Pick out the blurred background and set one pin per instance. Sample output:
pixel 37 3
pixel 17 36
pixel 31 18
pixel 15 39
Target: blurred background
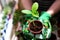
pixel 14 15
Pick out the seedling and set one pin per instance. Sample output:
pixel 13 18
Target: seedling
pixel 34 11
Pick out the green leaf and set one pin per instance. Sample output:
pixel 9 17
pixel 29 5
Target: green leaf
pixel 35 14
pixel 26 11
pixel 35 7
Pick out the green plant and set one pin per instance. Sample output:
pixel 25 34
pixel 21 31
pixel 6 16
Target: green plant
pixel 34 11
pixel 32 15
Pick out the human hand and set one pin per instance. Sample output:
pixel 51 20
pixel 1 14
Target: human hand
pixel 44 18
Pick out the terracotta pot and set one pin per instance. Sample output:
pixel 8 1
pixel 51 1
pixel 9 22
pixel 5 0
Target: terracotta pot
pixel 35 27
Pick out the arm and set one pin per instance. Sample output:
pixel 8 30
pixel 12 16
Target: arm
pixel 27 4
pixel 54 8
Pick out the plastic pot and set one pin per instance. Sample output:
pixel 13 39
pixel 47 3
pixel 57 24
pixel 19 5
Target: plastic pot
pixel 35 27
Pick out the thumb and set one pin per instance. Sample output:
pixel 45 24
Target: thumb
pixel 45 23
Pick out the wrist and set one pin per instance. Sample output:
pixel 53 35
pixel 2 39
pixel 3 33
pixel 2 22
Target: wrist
pixel 50 12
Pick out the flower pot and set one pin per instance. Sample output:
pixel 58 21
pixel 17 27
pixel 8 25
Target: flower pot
pixel 35 27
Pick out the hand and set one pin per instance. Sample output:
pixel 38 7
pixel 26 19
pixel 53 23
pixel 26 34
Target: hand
pixel 44 18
